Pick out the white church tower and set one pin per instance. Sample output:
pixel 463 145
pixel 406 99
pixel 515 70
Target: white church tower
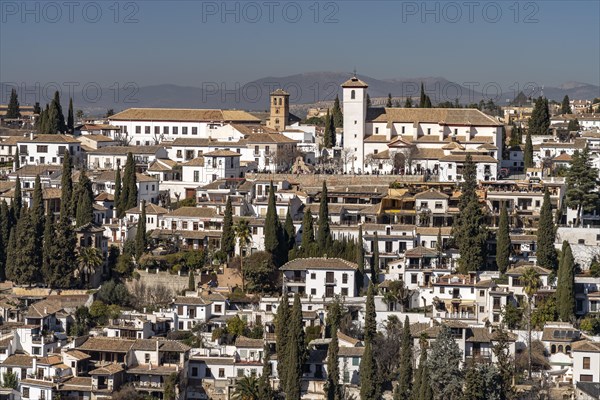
pixel 355 117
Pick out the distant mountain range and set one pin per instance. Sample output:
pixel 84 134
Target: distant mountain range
pixel 304 89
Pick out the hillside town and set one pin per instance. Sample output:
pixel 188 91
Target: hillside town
pixel 411 251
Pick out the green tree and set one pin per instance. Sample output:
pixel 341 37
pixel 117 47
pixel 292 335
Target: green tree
pixel 338 117
pixel 118 204
pixel 242 232
pixel 403 390
pixel 360 258
pixel 546 233
pixel 324 232
pixel 531 284
pixel 565 107
pixel 228 237
pixel 281 335
pixel 70 117
pixel 469 228
pixel 389 104
pixel 66 181
pixel 375 260
pixel 327 142
pixel 333 368
pixel 504 363
pixel 84 201
pixel 539 122
pixel 369 382
pixel 565 287
pixel 55 118
pixel 482 382
pixel 17 202
pixel 503 244
pixel 140 234
pixel 21 267
pixel 423 97
pixel 443 364
pixel 272 224
pixel 582 185
pixel 129 192
pixel 10 380
pixel 38 221
pixel 290 231
pixel 247 388
pixel 265 390
pixel 573 125
pixel 295 352
pixel 308 231
pixel 13 110
pixel 421 385
pixel 370 329
pixel 368 101
pixel 89 259
pixel 528 152
pixel 408 103
pixel 191 280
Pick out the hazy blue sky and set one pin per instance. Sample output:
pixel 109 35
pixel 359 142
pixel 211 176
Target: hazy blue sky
pixel 187 42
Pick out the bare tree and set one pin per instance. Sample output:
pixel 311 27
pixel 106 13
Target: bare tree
pixel 347 158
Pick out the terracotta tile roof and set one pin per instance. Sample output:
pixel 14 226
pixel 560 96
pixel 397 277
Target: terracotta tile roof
pixel 350 351
pixel 252 129
pixel 34 170
pixel 162 165
pixel 18 360
pixel 301 264
pixel 442 116
pixel 177 114
pixel 432 194
pixel 201 142
pixel 146 369
pixel 196 212
pixel 196 162
pixel 124 150
pixel 222 153
pixel 49 139
pixel 428 154
pixel 354 82
pixel 109 369
pixel 421 251
pixel 431 231
pixel 346 338
pixel 107 344
pixel 78 355
pixel 99 138
pixel 244 342
pixel 109 176
pixel 586 346
pixel 518 271
pixel 563 157
pixel 76 383
pixel 376 139
pixel 560 334
pixel 163 345
pixel 37 382
pixel 105 197
pixel 191 300
pixel 150 209
pixel 259 138
pixel 462 157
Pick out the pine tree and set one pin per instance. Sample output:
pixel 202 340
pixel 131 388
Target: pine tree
pixel 403 390
pixel 118 204
pixel 565 288
pixel 375 260
pixel 369 382
pixel 469 230
pixel 324 239
pixel 370 315
pixel 338 117
pixel 503 244
pixel 389 104
pixel 66 180
pixel 13 110
pixel 333 368
pixel 71 117
pixel 565 107
pixel 546 233
pixel 582 185
pixel 308 231
pixel 228 237
pixel 295 352
pixel 17 202
pixel 290 231
pixel 140 235
pixel 281 334
pixel 528 152
pixel 444 366
pixel 84 200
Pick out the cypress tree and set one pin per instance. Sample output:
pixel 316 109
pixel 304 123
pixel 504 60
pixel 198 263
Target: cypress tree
pixel 3 245
pixel 140 235
pixel 428 102
pixel 565 288
pixel 17 159
pixel 70 117
pixel 281 334
pixel 421 386
pixel 61 256
pixel 546 233
pixel 368 101
pixel 403 390
pixel 389 104
pixel 22 269
pixel 9 266
pixel 56 121
pixel 264 384
pixel 272 225
pixel 228 237
pixel 295 352
pixel 565 107
pixel 308 231
pixel 368 374
pixel 375 260
pixel 324 232
pixel 131 200
pixel 66 186
pixel 290 231
pixel 6 221
pixel 17 199
pixel 503 244
pixel 528 152
pixel 408 103
pixel 13 110
pixel 191 280
pixel 540 117
pixel 327 135
pixel 117 196
pixel 47 248
pixel 333 368
pixel 84 201
pixel 360 259
pixel 38 220
pixel 338 117
pixel 422 97
pixel 469 230
pixel 332 133
pixel 45 120
pixel 370 315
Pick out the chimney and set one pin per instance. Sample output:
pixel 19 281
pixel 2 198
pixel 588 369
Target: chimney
pixel 31 136
pixel 34 364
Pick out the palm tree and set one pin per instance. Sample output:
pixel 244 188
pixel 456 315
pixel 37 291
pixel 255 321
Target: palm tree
pixel 531 283
pixel 247 388
pixel 244 236
pixel 89 260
